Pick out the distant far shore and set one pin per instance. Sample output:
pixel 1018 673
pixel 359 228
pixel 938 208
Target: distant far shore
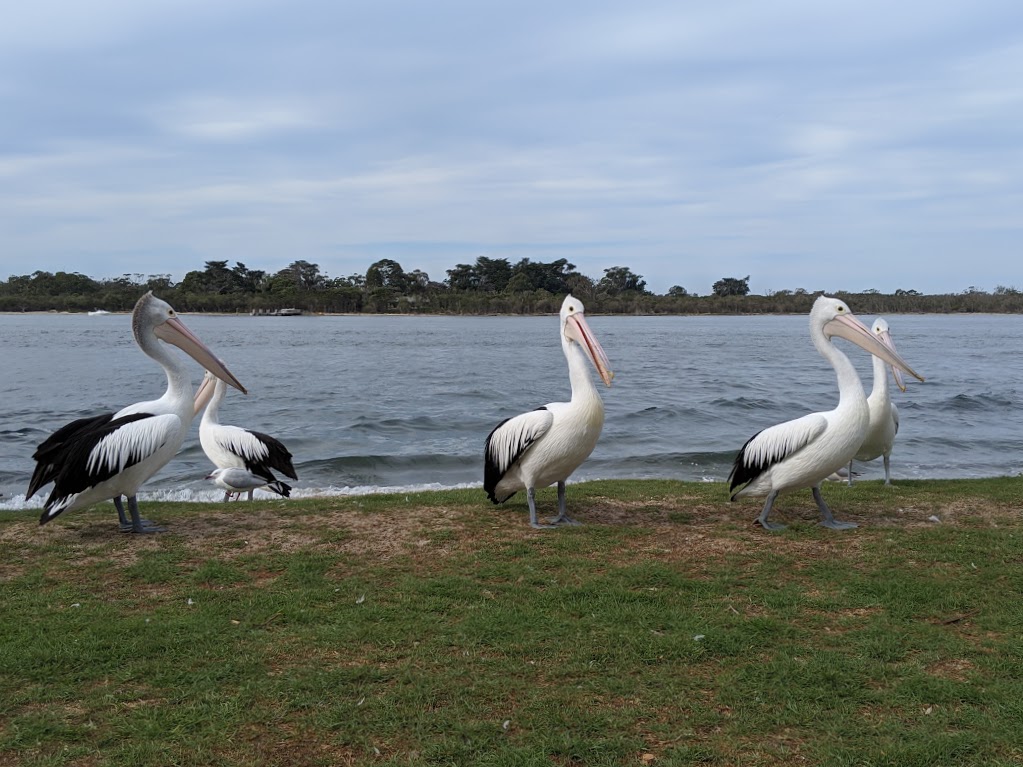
pixel 592 313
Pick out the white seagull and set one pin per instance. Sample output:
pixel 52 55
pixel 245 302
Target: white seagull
pixel 804 452
pixel 546 445
pixel 235 480
pixel 231 447
pixel 884 416
pixel 110 455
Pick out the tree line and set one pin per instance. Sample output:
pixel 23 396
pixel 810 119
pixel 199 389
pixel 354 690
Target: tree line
pixel 488 286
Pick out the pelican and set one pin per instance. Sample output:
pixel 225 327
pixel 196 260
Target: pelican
pixel 231 447
pixel 110 455
pixel 546 445
pixel 884 416
pixel 235 480
pixel 803 452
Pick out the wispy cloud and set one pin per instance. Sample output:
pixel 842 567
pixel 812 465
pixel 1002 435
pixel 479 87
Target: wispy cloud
pixel 229 119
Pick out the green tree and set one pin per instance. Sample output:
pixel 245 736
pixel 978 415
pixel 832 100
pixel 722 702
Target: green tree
pixel 492 274
pixel 417 281
pixel 462 277
pixel 306 276
pixel 215 278
pixel 386 273
pixel 520 283
pixel 581 286
pixel 552 277
pixel 731 286
pixel 621 279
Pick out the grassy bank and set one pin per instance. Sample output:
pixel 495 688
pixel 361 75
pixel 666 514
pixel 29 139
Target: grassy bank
pixel 437 629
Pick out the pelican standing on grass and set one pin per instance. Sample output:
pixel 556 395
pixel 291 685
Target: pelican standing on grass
pixel 546 445
pixel 803 452
pixel 110 455
pixel 884 416
pixel 250 453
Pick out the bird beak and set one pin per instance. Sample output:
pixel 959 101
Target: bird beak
pixel 577 330
pixel 173 331
pixel 204 393
pixel 851 329
pixel 886 339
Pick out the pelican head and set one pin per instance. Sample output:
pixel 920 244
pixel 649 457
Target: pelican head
pixel 880 329
pixel 204 393
pixel 575 330
pixel 152 315
pixel 832 317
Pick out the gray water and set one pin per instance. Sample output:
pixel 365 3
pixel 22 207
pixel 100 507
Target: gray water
pixel 367 403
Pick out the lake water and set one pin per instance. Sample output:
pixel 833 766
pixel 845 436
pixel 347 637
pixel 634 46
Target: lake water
pixel 367 403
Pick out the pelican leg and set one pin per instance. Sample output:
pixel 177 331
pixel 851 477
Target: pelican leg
pixel 850 473
pixel 121 518
pixel 887 472
pixel 136 521
pixel 138 525
pixel 762 519
pixel 563 518
pixel 827 519
pixel 531 500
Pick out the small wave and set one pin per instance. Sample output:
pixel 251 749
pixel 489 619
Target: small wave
pixel 384 462
pixel 744 403
pixel 396 425
pixel 985 401
pixel 664 413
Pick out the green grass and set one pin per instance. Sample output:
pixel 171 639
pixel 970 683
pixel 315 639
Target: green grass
pixel 436 629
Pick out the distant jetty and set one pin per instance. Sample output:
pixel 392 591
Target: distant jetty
pixel 292 312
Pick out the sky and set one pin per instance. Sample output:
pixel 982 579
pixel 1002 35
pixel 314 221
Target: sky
pixel 820 145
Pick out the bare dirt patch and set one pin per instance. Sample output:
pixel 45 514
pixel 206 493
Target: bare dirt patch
pixel 956 669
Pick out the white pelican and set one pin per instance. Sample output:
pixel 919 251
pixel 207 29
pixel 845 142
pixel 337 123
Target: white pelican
pixel 884 416
pixel 110 455
pixel 236 480
pixel 231 447
pixel 803 452
pixel 545 446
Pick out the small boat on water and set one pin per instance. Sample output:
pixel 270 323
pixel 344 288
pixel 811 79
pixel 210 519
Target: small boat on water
pixel 98 313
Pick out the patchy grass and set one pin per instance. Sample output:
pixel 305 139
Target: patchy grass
pixel 434 628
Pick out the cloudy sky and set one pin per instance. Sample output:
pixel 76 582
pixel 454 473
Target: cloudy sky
pixel 825 145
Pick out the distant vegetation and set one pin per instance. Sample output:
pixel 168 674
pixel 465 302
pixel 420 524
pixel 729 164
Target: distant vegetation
pixel 490 286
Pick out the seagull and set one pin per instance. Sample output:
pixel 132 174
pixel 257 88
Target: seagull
pixel 804 452
pixel 546 445
pixel 235 480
